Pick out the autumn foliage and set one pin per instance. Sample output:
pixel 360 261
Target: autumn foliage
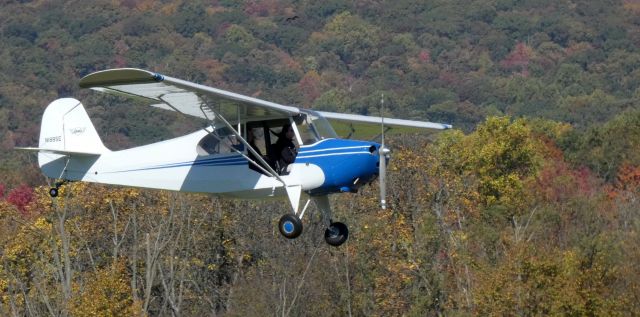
pixel 519 59
pixel 20 197
pixel 494 222
pixel 529 207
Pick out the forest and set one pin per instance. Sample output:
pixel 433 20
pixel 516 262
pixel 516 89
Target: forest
pixel 529 206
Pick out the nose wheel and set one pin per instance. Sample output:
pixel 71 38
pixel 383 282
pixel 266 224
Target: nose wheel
pixel 336 234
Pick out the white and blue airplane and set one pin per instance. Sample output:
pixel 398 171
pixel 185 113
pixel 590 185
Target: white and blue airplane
pixel 233 156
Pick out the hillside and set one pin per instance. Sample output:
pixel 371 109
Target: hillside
pixel 448 61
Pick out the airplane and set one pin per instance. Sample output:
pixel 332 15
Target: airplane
pixel 236 155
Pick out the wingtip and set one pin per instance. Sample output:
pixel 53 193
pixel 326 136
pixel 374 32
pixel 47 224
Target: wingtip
pixel 118 76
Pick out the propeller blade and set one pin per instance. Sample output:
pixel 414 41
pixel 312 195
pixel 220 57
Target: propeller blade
pixel 383 161
pixel 383 177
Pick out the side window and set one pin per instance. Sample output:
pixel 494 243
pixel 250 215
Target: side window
pixel 221 141
pixel 255 137
pixel 275 134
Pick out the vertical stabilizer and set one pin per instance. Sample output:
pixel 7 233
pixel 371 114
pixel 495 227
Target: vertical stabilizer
pixel 66 127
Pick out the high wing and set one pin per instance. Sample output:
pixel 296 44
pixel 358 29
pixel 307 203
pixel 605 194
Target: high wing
pixel 184 96
pixel 387 121
pixel 195 100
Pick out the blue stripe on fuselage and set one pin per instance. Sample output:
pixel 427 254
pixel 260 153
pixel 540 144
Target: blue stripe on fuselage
pixel 216 161
pixel 342 161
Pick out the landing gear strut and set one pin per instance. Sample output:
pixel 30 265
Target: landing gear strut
pixel 336 233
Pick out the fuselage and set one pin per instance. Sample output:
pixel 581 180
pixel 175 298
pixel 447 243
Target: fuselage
pixel 327 166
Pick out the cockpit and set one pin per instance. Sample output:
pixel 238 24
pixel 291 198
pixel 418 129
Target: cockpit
pixel 262 136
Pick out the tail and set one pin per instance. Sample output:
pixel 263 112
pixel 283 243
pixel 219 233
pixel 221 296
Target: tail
pixel 67 130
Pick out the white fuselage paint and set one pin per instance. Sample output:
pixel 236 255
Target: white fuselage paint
pixel 175 165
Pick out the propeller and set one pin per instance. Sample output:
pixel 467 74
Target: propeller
pixel 383 151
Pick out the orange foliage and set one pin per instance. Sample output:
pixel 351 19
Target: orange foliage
pixel 629 176
pixel 627 180
pixel 519 58
pixel 145 5
pixel 310 85
pixel 170 8
pixel 632 6
pixel 288 61
pixel 557 182
pixel 213 68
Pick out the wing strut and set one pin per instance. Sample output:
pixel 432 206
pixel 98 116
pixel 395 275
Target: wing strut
pixel 293 191
pixel 265 166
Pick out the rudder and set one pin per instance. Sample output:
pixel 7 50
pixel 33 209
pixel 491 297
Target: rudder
pixel 66 127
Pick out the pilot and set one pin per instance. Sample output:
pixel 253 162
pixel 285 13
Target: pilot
pixel 285 149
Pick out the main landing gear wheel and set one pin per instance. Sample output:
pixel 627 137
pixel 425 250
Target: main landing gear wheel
pixel 336 234
pixel 290 226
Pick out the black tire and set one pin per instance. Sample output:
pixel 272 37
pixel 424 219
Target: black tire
pixel 290 226
pixel 336 234
pixel 53 192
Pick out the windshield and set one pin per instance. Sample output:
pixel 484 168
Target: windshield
pixel 315 128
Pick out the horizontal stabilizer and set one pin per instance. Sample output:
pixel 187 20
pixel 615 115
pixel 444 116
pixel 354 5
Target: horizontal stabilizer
pixel 59 152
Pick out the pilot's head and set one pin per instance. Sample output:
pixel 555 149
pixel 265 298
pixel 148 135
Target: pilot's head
pixel 287 131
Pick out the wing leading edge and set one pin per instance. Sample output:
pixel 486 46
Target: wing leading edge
pixel 387 121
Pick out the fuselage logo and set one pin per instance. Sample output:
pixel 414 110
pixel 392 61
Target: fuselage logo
pixel 76 131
